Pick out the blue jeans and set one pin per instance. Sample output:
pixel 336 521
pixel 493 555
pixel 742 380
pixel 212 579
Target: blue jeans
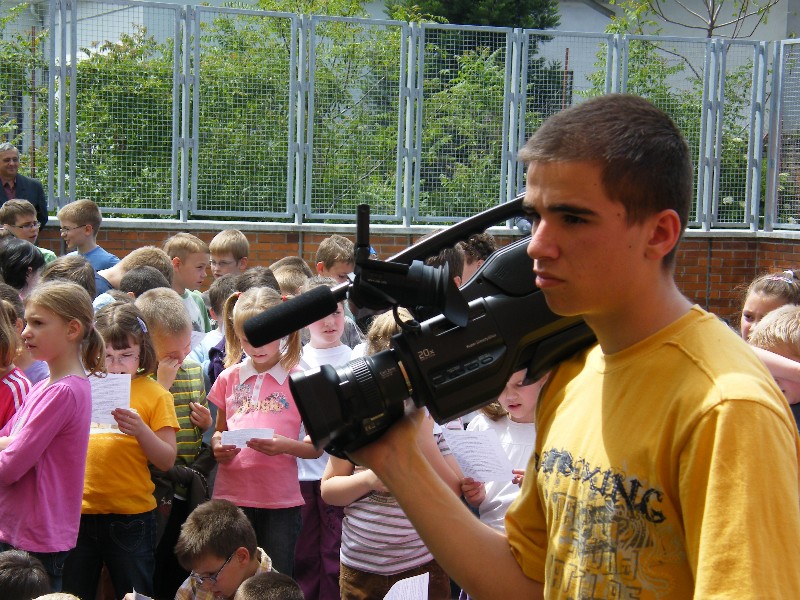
pixel 124 543
pixel 276 532
pixel 53 563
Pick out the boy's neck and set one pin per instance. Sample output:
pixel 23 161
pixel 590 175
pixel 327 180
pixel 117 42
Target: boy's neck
pixel 86 247
pixel 181 289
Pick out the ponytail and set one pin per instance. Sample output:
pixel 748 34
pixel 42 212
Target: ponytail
pixel 93 352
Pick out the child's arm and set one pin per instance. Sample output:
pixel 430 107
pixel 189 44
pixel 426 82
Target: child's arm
pixel 159 446
pixel 4 442
pixel 340 486
pixel 283 445
pixel 222 453
pixel 779 366
pixel 446 467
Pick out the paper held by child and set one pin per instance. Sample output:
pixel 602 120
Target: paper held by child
pixel 479 454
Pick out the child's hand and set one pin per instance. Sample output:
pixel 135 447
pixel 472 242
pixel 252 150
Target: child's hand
pixel 200 416
pixel 129 421
pixel 474 491
pixel 519 475
pixel 375 483
pixel 167 371
pixel 278 444
pixel 224 453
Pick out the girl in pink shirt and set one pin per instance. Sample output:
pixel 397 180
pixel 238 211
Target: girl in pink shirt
pixel 262 477
pixel 43 446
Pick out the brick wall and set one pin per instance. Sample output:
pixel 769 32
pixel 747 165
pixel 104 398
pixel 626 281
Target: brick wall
pixel 711 269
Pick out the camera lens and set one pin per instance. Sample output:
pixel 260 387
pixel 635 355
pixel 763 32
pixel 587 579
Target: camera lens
pixel 353 404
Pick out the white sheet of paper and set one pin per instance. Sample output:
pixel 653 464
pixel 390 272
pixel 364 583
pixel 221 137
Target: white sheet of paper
pixel 480 454
pixel 411 588
pixel 239 437
pixel 138 596
pixel 197 337
pixel 109 392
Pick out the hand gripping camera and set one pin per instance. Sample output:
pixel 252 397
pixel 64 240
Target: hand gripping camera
pixel 455 360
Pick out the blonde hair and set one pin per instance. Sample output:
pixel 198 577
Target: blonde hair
pixel 82 212
pixel 72 303
pixel 336 248
pixel 779 328
pixel 183 244
pixel 148 256
pixel 241 307
pixel 164 312
pixel 230 241
pixel 383 327
pixel 9 339
pixel 120 324
pixel 290 280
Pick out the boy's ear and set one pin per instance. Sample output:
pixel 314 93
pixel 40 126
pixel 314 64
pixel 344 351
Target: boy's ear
pixel 320 268
pixel 243 264
pixel 176 262
pixel 664 234
pixel 242 556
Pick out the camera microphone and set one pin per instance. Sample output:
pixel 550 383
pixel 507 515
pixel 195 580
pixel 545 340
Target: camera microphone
pixel 287 317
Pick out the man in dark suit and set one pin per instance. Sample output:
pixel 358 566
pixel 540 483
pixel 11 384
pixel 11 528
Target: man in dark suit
pixel 15 185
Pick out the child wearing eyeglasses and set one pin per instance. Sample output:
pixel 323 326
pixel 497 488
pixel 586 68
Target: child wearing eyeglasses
pixel 80 222
pixel 19 217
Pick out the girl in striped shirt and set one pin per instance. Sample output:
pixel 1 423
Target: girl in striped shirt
pixel 379 544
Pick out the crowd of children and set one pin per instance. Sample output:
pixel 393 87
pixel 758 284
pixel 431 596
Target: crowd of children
pixel 169 499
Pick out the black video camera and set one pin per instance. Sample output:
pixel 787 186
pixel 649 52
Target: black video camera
pixel 452 363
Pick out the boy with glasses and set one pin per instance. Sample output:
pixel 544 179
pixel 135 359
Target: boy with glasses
pixel 80 222
pixel 218 545
pixel 19 217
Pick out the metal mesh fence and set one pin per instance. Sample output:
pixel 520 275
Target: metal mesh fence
pixel 465 87
pixel 357 68
pixel 738 140
pixel 232 113
pixel 24 42
pixel 126 110
pixel 788 176
pixel 244 113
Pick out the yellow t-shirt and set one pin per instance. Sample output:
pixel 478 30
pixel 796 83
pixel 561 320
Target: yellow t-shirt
pixel 117 478
pixel 668 470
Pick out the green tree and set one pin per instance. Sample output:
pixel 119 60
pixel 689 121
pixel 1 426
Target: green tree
pixel 528 14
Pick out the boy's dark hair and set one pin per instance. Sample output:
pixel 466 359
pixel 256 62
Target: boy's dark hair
pixel 11 209
pixel 148 256
pixel 215 528
pixel 22 576
pixel 257 277
pixel 72 267
pixel 294 262
pixel 16 256
pixel 218 292
pixel 453 257
pixel 478 246
pixel 141 279
pixel 269 586
pixel 645 160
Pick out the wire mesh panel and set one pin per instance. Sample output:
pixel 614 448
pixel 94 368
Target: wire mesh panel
pixel 24 40
pixel 465 78
pixel 355 123
pixel 560 69
pixel 739 143
pixel 125 105
pixel 244 112
pixel 787 191
pixel 671 73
